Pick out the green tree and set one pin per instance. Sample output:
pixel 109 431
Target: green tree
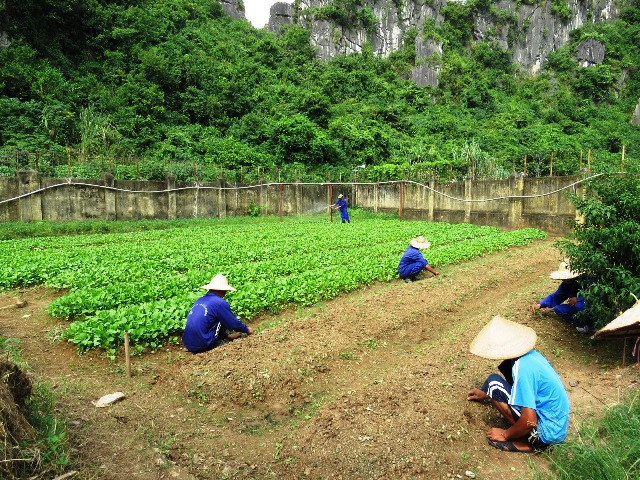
pixel 605 245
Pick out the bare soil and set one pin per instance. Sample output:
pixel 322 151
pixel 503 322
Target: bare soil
pixel 371 385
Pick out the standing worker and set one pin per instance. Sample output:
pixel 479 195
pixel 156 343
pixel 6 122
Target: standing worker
pixel 341 204
pixel 413 262
pixel 211 319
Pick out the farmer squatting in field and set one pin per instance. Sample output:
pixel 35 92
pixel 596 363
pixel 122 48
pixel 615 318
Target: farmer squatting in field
pixel 566 301
pixel 413 262
pixel 530 396
pixel 211 319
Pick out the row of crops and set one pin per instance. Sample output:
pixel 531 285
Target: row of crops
pixel 145 282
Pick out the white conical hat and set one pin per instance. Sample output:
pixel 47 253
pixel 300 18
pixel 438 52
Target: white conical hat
pixel 219 283
pixel 501 339
pixel 563 273
pixel 419 243
pixel 626 324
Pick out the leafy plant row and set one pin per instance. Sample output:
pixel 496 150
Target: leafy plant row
pixel 151 323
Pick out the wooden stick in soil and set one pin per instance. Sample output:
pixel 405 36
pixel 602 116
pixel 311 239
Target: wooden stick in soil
pixel 127 353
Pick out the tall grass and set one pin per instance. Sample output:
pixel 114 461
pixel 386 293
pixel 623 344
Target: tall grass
pixel 47 454
pixel 605 448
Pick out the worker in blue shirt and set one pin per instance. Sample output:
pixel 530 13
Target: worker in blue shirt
pixel 341 204
pixel 529 394
pixel 413 262
pixel 210 320
pixel 566 300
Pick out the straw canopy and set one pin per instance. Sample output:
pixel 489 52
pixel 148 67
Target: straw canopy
pixel 626 324
pixel 502 339
pixel 563 273
pixel 219 283
pixel 419 243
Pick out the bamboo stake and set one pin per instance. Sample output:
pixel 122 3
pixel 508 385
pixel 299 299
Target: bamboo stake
pixel 551 166
pixel 589 160
pixel 622 160
pixel 525 166
pixel 580 159
pixel 127 354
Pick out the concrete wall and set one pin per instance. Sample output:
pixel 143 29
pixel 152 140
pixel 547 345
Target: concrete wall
pixel 517 202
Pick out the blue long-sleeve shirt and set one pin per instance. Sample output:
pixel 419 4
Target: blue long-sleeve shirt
pixel 565 291
pixel 209 318
pixel 411 263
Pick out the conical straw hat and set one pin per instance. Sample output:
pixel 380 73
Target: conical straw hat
pixel 626 324
pixel 501 339
pixel 219 283
pixel 563 273
pixel 419 243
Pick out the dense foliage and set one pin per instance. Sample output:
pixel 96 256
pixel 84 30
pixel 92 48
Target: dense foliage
pixel 272 264
pixel 606 245
pixel 147 87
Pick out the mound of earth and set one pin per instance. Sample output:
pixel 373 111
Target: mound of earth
pixel 370 385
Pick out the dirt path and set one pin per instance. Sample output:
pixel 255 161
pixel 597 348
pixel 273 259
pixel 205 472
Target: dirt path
pixel 371 385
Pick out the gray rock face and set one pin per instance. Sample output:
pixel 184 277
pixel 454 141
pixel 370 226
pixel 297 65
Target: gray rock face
pixel 5 41
pixel 636 115
pixel 233 8
pixel 589 53
pixel 531 32
pixel 280 14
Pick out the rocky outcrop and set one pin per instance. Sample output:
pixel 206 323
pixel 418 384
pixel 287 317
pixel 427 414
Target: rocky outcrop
pixel 636 115
pixel 527 32
pixel 233 8
pixel 589 53
pixel 280 14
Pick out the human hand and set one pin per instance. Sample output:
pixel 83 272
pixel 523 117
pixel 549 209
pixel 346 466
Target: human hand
pixel 497 434
pixel 249 330
pixel 535 307
pixel 572 301
pixel 476 395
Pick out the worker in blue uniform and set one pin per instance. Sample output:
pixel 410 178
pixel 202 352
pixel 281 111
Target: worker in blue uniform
pixel 211 321
pixel 341 204
pixel 566 301
pixel 413 262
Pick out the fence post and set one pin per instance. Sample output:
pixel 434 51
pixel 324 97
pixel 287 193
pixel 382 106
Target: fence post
pixel 432 198
pixel 109 197
pixel 516 184
pixel 622 160
pixel 551 166
pixel 30 207
pixel 171 197
pixel 468 184
pixel 400 207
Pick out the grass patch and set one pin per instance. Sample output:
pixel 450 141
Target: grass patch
pixel 47 454
pixel 608 447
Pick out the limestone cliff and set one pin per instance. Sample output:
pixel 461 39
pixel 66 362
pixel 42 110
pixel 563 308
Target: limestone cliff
pixel 527 32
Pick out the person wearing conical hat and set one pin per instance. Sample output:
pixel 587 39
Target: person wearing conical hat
pixel 413 262
pixel 566 301
pixel 529 394
pixel 341 204
pixel 211 320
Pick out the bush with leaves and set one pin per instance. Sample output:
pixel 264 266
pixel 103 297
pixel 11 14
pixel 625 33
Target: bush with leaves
pixel 605 245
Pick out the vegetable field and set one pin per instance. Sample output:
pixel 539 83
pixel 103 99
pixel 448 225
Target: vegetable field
pixel 145 282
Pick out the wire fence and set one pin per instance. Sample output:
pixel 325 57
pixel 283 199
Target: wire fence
pixel 72 164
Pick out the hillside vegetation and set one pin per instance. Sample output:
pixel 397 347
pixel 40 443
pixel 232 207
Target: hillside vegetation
pixel 144 88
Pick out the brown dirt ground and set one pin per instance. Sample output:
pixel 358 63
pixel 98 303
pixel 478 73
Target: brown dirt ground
pixel 371 385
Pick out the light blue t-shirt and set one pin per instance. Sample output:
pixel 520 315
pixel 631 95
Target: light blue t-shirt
pixel 536 385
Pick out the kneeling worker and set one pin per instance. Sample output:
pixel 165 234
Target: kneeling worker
pixel 413 262
pixel 530 396
pixel 210 319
